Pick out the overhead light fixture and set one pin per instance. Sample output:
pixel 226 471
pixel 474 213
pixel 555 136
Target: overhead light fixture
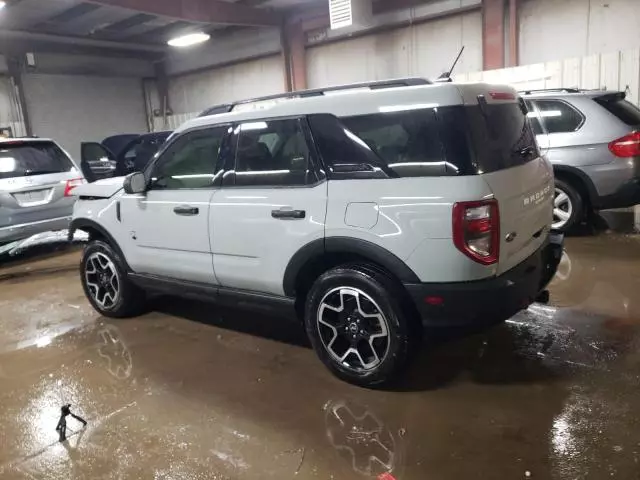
pixel 2 5
pixel 189 40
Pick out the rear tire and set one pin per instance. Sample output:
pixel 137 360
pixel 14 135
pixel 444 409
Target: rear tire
pixel 568 207
pixel 359 326
pixel 106 285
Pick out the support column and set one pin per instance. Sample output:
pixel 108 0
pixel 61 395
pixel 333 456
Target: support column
pixel 514 44
pixel 493 34
pixel 294 55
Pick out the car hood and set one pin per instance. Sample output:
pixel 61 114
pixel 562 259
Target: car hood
pixel 104 188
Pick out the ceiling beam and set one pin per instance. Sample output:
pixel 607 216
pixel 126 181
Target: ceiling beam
pixel 205 11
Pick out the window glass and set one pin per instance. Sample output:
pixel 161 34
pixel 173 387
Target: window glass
pixel 190 161
pixel 559 117
pixel 534 119
pixel 407 142
pixel 273 153
pixel 618 106
pixel 27 158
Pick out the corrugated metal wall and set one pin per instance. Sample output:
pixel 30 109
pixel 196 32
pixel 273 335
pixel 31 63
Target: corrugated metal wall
pixel 75 108
pixel 425 49
pixel 191 94
pixel 555 29
pixel 615 71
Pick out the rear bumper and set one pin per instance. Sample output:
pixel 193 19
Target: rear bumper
pixel 627 195
pixel 25 230
pixel 492 300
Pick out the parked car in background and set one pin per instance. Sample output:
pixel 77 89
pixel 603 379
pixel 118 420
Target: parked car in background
pixel 368 214
pixel 36 180
pixel 120 155
pixel 592 138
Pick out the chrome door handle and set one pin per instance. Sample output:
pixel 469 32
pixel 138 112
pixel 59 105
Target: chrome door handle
pixel 288 214
pixel 186 210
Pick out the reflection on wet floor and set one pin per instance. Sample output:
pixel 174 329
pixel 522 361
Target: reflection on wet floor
pixel 193 391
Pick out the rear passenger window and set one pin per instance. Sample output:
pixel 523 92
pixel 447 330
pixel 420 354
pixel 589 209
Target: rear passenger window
pixel 558 116
pixel 273 153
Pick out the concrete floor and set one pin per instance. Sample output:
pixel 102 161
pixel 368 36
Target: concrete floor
pixel 192 391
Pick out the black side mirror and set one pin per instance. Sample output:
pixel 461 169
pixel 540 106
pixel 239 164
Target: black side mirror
pixel 135 183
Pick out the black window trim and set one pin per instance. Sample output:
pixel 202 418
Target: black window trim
pixel 228 177
pixel 583 119
pixel 217 179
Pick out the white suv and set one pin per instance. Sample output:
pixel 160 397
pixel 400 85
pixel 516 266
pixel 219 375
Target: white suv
pixel 369 212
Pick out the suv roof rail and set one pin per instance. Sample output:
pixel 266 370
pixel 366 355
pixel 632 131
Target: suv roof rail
pixel 316 92
pixel 542 90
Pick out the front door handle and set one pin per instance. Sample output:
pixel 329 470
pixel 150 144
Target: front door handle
pixel 186 210
pixel 288 214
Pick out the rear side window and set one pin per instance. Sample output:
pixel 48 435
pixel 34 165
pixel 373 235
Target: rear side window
pixel 618 106
pixel 558 116
pixel 390 144
pixel 24 158
pixel 408 142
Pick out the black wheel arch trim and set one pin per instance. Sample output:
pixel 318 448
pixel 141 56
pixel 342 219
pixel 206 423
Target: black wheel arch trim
pixel 594 198
pixel 86 225
pixel 345 245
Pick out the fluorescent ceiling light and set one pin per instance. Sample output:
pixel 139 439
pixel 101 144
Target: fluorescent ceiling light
pixel 189 40
pixel 2 5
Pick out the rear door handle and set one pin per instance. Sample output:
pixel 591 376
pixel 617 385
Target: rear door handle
pixel 288 214
pixel 186 210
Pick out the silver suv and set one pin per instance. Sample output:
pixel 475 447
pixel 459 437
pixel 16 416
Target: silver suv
pixel 592 138
pixel 36 180
pixel 368 212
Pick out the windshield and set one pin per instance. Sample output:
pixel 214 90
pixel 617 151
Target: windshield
pixel 27 158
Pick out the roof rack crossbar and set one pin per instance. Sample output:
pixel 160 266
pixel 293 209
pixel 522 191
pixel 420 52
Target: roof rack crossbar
pixel 316 92
pixel 542 90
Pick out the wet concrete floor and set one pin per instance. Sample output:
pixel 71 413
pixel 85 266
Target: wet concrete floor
pixel 192 391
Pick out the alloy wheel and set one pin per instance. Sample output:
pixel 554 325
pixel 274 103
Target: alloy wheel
pixel 353 329
pixel 102 280
pixel 562 208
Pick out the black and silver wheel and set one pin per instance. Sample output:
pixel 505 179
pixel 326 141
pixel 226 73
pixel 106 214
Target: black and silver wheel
pixel 358 325
pixel 105 282
pixel 567 206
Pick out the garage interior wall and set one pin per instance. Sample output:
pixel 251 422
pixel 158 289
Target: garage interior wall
pixel 192 93
pixel 556 29
pixel 9 113
pixel 425 49
pixel 75 108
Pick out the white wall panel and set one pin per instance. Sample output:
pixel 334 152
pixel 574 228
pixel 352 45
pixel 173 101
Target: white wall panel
pixel 72 108
pixel 192 93
pixel 617 71
pixel 426 49
pixel 557 29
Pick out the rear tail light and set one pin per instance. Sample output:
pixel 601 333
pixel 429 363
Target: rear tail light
pixel 476 230
pixel 71 184
pixel 627 146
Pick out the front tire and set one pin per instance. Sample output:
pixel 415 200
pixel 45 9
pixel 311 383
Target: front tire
pixel 105 283
pixel 359 326
pixel 568 206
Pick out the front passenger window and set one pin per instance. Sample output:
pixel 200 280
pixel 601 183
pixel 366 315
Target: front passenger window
pixel 190 161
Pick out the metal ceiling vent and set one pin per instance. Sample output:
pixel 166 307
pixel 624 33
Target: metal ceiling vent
pixel 344 13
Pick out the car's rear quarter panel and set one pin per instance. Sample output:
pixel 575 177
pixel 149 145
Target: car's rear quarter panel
pixel 413 221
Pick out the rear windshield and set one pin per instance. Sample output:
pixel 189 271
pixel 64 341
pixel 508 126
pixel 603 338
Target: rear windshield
pixel 621 108
pixel 19 159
